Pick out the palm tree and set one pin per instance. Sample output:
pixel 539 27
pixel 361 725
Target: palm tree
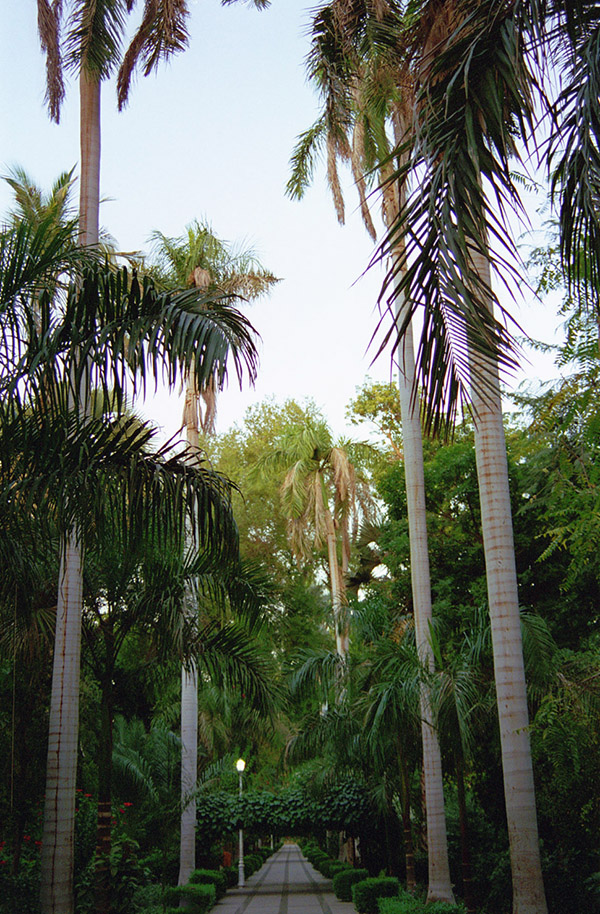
pixel 323 495
pixel 474 99
pixel 202 261
pixel 86 330
pixel 140 588
pixel 365 85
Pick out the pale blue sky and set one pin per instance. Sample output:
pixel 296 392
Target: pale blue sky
pixel 210 136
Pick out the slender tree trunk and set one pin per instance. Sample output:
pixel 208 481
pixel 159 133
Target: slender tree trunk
pixel 189 768
pixel 341 628
pixel 409 848
pixel 89 188
pixel 189 691
pixel 104 833
pixel 61 771
pixel 465 846
pixel 56 894
pixel 439 885
pixel 509 669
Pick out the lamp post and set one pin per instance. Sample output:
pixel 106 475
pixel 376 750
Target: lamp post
pixel 240 765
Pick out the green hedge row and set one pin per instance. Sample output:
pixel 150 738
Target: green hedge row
pixel 344 880
pixel 408 904
pixel 366 894
pixel 200 898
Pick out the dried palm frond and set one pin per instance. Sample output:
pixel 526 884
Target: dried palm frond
pixel 49 16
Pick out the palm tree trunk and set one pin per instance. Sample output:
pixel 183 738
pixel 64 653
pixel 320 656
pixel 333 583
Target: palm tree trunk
pixel 189 768
pixel 89 190
pixel 59 806
pixel 341 628
pixel 56 891
pixel 409 849
pixel 189 691
pixel 509 670
pixel 439 884
pixel 465 846
pixel 104 831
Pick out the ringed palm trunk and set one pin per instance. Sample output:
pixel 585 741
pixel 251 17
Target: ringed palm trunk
pixel 104 828
pixel 56 894
pixel 189 767
pixel 509 669
pixel 341 627
pixel 409 850
pixel 439 885
pixel 189 692
pixel 61 772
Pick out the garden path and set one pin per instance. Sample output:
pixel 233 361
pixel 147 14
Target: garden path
pixel 286 884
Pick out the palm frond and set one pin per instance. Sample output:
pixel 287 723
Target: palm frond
pixel 162 33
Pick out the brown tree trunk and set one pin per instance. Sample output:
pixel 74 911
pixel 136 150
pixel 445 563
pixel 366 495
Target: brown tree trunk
pixel 102 902
pixel 465 845
pixel 409 849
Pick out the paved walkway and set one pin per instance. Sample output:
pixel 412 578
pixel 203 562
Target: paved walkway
pixel 286 884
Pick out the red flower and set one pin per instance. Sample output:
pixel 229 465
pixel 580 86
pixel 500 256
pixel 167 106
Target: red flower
pixel 26 837
pixel 87 794
pixel 127 804
pixel 38 843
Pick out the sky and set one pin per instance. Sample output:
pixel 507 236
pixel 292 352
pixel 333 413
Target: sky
pixel 210 137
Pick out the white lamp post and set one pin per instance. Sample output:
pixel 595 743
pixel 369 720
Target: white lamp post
pixel 240 765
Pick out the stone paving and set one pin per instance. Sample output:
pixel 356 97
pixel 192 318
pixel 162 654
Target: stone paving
pixel 286 884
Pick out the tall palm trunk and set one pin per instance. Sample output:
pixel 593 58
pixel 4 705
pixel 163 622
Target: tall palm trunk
pixel 59 807
pixel 189 768
pixel 61 772
pixel 409 849
pixel 189 688
pixel 341 627
pixel 104 828
pixel 89 126
pixel 439 884
pixel 465 844
pixel 509 670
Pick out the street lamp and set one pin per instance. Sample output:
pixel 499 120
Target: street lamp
pixel 240 765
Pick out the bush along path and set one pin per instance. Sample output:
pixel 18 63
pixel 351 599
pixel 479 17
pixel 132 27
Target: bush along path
pixel 292 881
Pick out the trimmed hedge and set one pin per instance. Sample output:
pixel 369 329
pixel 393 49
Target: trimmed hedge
pixel 407 904
pixel 337 867
pixel 210 877
pixel 345 879
pixel 324 867
pixel 202 897
pixel 252 863
pixel 231 875
pixel 367 893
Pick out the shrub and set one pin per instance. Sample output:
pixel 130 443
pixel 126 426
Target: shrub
pixel 148 899
pixel 337 867
pixel 201 897
pixel 317 858
pixel 407 904
pixel 231 875
pixel 252 863
pixel 345 879
pixel 329 867
pixel 210 877
pixel 366 894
